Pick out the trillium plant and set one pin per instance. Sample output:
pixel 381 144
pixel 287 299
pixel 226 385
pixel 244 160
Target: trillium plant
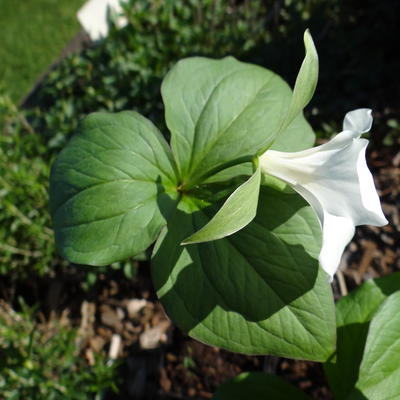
pixel 248 221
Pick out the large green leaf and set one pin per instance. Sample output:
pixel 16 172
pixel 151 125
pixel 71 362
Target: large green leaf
pixel 379 377
pixel 237 211
pixel 219 111
pixel 258 386
pixel 354 313
pixel 111 189
pixel 297 136
pixel 259 291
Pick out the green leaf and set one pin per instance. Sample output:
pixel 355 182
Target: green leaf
pixel 219 112
pixel 238 210
pixel 111 189
pixel 379 376
pixel 354 313
pixel 258 386
pixel 259 291
pixel 297 136
pixel 306 81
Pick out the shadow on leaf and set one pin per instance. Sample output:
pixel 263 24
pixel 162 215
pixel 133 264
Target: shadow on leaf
pixel 253 274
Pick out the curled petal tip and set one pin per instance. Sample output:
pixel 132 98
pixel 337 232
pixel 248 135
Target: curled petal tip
pixel 359 121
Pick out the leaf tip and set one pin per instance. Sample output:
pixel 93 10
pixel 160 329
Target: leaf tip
pixel 186 241
pixel 310 45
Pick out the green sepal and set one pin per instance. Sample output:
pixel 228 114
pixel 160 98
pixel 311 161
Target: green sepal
pixel 239 209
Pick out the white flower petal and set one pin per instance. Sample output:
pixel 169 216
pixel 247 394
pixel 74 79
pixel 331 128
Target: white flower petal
pixel 335 180
pixel 93 17
pixel 369 196
pixel 337 233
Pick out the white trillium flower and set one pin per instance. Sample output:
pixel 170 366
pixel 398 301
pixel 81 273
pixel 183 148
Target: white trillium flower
pixel 336 182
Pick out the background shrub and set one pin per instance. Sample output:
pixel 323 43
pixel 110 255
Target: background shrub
pixel 126 69
pixel 43 361
pixel 26 240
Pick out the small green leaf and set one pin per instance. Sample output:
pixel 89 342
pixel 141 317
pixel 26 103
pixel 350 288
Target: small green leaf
pixel 111 189
pixel 258 291
pixel 379 376
pixel 306 81
pixel 258 386
pixel 354 313
pixel 245 169
pixel 238 210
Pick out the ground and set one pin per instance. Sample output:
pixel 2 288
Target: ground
pixel 34 32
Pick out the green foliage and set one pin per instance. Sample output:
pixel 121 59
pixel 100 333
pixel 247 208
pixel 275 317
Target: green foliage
pixel 393 135
pixel 306 82
pixel 368 332
pixel 379 376
pixel 26 240
pixel 27 246
pixel 365 365
pixel 42 361
pixel 109 187
pixel 239 209
pixel 212 105
pixel 33 33
pixel 257 291
pixel 125 70
pixel 117 183
pixel 258 386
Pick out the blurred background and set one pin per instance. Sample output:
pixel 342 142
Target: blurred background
pixel 72 332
